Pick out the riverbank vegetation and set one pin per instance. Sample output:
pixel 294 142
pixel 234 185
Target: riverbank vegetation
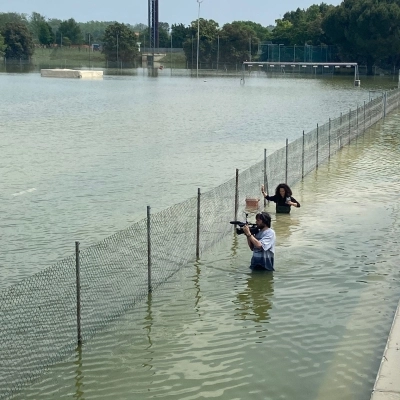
pixel 362 31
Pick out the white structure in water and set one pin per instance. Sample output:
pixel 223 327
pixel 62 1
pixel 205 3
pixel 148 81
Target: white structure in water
pixel 70 73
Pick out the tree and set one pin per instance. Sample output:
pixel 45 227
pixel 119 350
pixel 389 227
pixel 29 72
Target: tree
pixel 2 46
pixel 35 22
pixel 283 32
pixel 54 25
pixel 96 29
pixel 236 42
pixel 207 40
pixel 71 30
pixel 179 34
pixel 302 27
pixel 263 34
pixel 18 40
pixel 12 17
pixel 45 34
pixel 365 30
pixel 164 38
pixel 120 43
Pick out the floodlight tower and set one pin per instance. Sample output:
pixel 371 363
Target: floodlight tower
pixel 153 24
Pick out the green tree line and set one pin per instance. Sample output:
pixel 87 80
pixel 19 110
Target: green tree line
pixel 363 31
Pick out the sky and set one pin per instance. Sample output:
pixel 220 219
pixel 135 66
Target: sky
pixel 264 12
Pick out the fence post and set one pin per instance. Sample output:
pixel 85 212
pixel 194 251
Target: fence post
pixel 385 104
pixel 148 251
pixel 302 159
pixel 198 225
pixel 316 165
pixel 357 123
pixel 236 195
pixel 329 140
pixel 370 114
pixel 78 293
pixel 364 116
pixel 349 124
pixel 286 169
pixel 340 131
pixel 265 176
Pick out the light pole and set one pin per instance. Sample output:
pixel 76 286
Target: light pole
pixel 117 49
pixel 280 51
pixel 192 53
pixel 218 55
pixel 170 56
pixel 250 48
pixel 198 39
pixel 89 50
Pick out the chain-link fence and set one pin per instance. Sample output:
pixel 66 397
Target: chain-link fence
pixel 45 316
pixel 275 52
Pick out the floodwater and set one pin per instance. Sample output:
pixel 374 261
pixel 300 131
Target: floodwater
pixel 314 329
pixel 81 159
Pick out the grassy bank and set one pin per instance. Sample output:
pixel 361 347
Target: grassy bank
pixel 81 58
pixel 68 57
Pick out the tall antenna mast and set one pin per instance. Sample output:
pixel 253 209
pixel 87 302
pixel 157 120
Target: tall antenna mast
pixel 153 24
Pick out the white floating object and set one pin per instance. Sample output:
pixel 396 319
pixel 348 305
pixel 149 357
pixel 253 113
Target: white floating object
pixel 70 73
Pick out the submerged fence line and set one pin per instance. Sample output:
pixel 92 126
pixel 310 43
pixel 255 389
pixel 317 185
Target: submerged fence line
pixel 44 317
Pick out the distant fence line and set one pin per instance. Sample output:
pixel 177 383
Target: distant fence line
pixel 161 50
pixel 46 315
pixel 207 68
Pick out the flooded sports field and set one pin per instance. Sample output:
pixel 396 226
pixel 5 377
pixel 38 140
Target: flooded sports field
pixel 315 329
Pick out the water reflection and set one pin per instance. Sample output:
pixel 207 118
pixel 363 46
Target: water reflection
pixel 17 68
pixel 284 225
pixel 149 320
pixel 256 300
pixel 79 393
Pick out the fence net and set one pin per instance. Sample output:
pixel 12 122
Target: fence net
pixel 38 315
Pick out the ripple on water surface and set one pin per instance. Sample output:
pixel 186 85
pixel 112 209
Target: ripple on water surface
pixel 315 329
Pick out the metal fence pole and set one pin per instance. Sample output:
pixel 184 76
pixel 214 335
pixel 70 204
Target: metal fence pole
pixel 302 159
pixel 385 105
pixel 349 123
pixel 198 225
pixel 78 293
pixel 265 176
pixel 340 131
pixel 357 123
pixel 148 251
pixel 287 162
pixel 236 195
pixel 329 140
pixel 370 114
pixel 364 116
pixel 316 165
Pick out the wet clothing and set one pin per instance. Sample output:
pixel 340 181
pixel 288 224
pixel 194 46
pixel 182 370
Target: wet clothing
pixel 263 258
pixel 281 206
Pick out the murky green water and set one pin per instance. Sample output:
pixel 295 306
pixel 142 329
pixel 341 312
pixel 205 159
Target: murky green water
pixel 315 329
pixel 83 159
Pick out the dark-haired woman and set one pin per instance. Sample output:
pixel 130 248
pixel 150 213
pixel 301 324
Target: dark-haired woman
pixel 282 197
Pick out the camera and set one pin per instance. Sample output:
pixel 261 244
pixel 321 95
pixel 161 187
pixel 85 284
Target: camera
pixel 239 229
